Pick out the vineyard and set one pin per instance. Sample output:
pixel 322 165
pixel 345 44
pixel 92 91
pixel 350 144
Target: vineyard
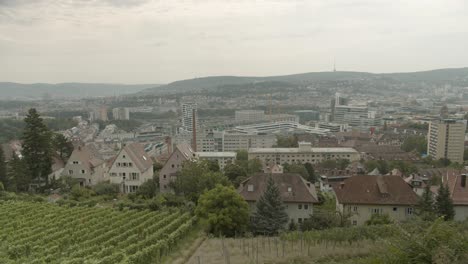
pixel 46 233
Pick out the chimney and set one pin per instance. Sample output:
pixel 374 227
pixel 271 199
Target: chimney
pixel 463 180
pixel 169 145
pixel 194 131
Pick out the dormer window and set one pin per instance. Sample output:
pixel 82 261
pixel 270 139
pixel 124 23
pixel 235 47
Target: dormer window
pixel 250 188
pixel 289 189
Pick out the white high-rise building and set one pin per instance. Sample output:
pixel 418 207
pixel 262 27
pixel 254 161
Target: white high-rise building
pixel 121 113
pixel 188 110
pixel 446 140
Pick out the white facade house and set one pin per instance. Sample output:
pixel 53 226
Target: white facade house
pixel 362 196
pixel 298 195
pixel 131 168
pixel 86 166
pixel 457 184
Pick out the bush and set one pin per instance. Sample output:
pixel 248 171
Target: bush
pixel 379 219
pixel 78 193
pixel 106 189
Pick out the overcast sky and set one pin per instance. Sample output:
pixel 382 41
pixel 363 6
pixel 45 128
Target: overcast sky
pixel 159 41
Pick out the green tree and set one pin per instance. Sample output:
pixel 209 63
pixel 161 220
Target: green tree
pixel 37 149
pixel 254 166
pixel 270 216
pixel 62 146
pixel 287 141
pixel 242 155
pixel 213 165
pixel 297 168
pixel 415 143
pixel 311 171
pixel 3 169
pixel 444 203
pixel 379 219
pixel 426 205
pixel 329 164
pixel 225 210
pixel 196 178
pixel 235 173
pixel 342 163
pixel 149 188
pixel 18 175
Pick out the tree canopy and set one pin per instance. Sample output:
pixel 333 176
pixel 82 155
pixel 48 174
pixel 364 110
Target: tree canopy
pixel 225 210
pixel 37 150
pixel 195 178
pixel 444 203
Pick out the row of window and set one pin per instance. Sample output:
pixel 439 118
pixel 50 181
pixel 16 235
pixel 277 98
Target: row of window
pixel 134 176
pixel 71 172
pixel 124 164
pixel 305 155
pixel 408 210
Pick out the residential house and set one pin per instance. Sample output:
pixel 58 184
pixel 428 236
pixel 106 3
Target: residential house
pixel 298 195
pixel 364 195
pixel 131 168
pixel 86 165
pixel 182 153
pixel 458 188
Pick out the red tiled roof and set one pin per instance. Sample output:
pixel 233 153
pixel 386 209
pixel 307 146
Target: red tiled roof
pixel 299 189
pixel 385 190
pixel 453 179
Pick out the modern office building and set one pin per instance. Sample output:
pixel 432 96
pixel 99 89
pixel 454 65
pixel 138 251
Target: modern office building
pixel 337 101
pixel 279 127
pixel 446 139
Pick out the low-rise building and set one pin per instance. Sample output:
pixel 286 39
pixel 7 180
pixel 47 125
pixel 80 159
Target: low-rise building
pixel 305 153
pixel 131 168
pixel 298 195
pixel 362 196
pixel 458 188
pixel 223 158
pixel 86 166
pixel 182 153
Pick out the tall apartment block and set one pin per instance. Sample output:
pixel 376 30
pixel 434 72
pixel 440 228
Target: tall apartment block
pixel 187 116
pixel 446 139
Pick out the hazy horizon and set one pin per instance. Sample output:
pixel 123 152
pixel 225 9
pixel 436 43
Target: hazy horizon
pixel 149 41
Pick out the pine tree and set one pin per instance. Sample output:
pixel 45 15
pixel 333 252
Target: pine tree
pixel 426 207
pixel 18 176
pixel 444 203
pixel 62 146
pixel 270 216
pixel 37 149
pixel 3 171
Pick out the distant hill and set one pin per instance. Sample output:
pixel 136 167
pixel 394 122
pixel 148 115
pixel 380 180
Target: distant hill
pixel 9 90
pixel 207 83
